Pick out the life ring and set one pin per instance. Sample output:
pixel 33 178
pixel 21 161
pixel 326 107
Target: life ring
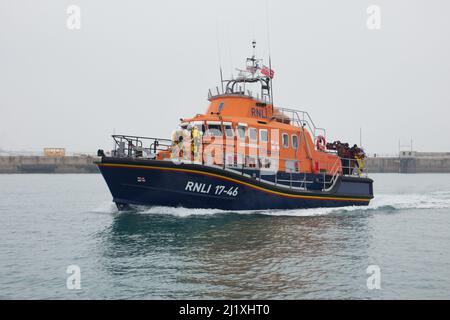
pixel 321 143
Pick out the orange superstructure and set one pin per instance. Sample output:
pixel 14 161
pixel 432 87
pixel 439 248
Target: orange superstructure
pixel 268 131
pixel 240 127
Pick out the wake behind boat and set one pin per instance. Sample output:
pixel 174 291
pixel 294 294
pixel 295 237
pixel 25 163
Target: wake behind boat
pixel 242 154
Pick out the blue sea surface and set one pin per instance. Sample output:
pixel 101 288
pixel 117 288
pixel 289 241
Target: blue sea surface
pixel 50 222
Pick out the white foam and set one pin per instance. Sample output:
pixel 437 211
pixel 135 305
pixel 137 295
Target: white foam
pixel 178 211
pixel 106 207
pixel 186 212
pixel 434 200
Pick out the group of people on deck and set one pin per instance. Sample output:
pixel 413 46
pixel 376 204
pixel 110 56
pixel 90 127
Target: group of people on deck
pixel 350 156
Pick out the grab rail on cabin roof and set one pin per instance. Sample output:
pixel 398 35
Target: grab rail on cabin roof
pixel 242 92
pixel 300 118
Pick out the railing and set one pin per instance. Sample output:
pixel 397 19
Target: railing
pixel 251 165
pixel 335 171
pixel 350 167
pixel 243 163
pixel 135 146
pixel 299 119
pixel 242 91
pixel 296 117
pixel 246 167
pixel 384 155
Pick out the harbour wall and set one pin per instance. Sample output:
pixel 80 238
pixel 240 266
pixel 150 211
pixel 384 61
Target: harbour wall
pixel 411 162
pixel 414 163
pixel 382 165
pixel 45 164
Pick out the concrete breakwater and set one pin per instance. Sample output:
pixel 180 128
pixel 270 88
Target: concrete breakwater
pixel 411 162
pixel 406 162
pixel 43 164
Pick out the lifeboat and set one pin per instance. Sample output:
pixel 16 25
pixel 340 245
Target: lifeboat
pixel 243 153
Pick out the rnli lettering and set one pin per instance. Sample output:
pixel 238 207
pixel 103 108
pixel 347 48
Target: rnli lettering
pixel 197 187
pixel 259 113
pixel 210 189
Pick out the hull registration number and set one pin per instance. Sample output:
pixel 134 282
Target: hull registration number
pixel 217 190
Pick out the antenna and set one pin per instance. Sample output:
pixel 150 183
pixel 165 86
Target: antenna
pixel 221 79
pixel 230 53
pixel 253 60
pixel 254 48
pixel 114 143
pixel 271 87
pixel 218 53
pixel 268 47
pixel 360 136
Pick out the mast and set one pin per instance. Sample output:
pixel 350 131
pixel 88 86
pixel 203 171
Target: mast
pixel 221 79
pixel 270 59
pixel 255 72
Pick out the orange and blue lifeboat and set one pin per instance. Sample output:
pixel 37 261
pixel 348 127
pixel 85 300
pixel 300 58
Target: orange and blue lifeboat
pixel 243 153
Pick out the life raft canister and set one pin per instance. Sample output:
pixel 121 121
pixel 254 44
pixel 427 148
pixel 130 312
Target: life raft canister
pixel 321 143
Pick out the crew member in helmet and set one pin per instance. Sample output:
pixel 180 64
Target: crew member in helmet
pixel 359 156
pixel 177 143
pixel 196 136
pixel 186 145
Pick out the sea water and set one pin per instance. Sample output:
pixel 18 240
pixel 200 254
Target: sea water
pixel 58 230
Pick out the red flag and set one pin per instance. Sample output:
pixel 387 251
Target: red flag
pixel 267 72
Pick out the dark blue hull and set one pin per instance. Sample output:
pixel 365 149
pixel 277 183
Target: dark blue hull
pixel 163 183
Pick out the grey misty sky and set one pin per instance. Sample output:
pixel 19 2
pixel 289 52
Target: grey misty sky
pixel 139 66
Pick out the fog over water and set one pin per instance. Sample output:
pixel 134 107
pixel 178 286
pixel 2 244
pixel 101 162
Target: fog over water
pixel 139 66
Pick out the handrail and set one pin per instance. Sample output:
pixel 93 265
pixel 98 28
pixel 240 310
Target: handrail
pixel 136 146
pixel 296 119
pixel 352 164
pixel 335 167
pixel 300 121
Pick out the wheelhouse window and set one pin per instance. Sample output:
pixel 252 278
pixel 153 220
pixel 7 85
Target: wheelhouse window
pixel 200 127
pixel 285 140
pixel 253 133
pixel 220 108
pixel 228 130
pixel 263 135
pixel 294 141
pixel 241 130
pixel 215 130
